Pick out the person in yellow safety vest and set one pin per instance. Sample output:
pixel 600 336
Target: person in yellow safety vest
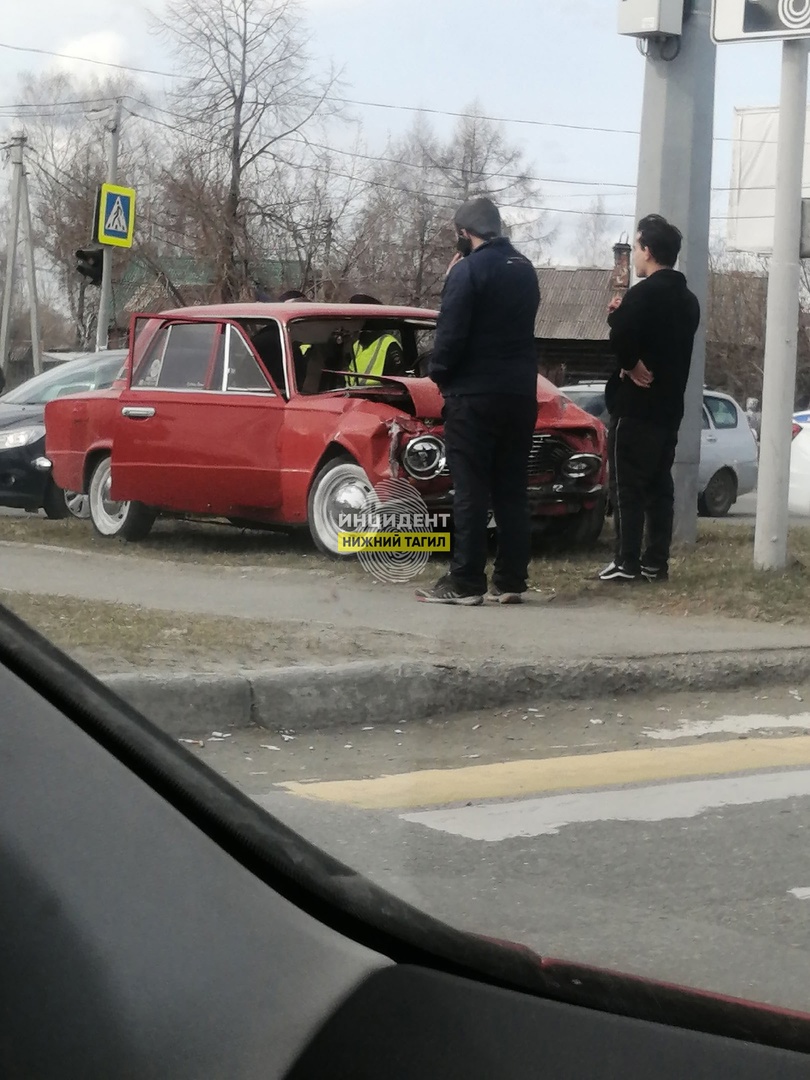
pixel 373 355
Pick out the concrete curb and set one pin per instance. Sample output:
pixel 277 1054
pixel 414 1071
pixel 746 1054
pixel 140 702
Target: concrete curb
pixel 303 698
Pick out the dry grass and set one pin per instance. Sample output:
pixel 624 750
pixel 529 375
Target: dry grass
pixel 716 577
pixel 119 637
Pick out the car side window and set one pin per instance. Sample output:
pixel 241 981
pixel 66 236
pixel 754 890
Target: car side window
pixel 178 357
pixel 706 424
pixel 243 372
pixel 723 412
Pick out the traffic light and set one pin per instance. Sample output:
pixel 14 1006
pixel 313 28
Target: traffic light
pixel 90 263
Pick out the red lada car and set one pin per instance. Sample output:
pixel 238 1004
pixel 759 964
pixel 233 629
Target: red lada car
pixel 251 412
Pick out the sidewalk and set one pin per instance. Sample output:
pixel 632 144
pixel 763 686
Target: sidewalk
pixel 427 660
pixel 537 631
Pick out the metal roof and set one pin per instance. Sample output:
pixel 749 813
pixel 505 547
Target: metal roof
pixel 574 302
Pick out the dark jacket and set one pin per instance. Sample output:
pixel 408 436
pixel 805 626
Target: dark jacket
pixel 656 322
pixel 485 334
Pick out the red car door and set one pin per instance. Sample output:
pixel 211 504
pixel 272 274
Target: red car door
pixel 199 424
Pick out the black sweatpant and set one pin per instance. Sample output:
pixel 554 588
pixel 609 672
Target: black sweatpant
pixel 489 439
pixel 641 455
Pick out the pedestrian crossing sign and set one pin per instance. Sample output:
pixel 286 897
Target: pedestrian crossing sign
pixel 116 215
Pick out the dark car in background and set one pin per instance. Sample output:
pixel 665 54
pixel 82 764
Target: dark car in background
pixel 25 472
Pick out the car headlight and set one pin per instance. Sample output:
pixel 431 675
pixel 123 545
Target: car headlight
pixel 424 457
pixel 579 466
pixel 21 436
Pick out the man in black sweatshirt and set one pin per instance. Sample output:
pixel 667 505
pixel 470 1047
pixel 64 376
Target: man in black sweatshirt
pixel 485 364
pixel 652 332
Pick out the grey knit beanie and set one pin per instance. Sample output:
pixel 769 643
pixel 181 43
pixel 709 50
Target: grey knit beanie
pixel 480 217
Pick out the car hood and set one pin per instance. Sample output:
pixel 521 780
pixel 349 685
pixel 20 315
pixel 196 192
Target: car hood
pixel 428 402
pixel 15 415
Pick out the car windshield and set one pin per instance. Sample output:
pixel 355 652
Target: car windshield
pixel 78 374
pixel 333 353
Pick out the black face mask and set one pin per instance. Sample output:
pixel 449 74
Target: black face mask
pixel 464 246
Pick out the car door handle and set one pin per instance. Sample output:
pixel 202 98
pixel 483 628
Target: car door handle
pixel 709 438
pixel 138 412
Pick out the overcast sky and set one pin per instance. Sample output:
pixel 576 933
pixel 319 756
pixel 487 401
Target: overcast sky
pixel 555 61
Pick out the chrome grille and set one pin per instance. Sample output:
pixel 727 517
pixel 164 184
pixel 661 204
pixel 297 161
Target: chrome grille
pixel 548 454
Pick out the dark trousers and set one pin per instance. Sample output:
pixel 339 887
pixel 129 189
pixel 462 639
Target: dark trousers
pixel 641 456
pixel 489 439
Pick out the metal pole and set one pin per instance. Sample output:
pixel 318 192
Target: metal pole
pixel 31 278
pixel 781 328
pixel 11 252
pixel 105 299
pixel 674 179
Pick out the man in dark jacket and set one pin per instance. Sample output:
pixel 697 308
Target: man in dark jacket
pixel 652 332
pixel 485 365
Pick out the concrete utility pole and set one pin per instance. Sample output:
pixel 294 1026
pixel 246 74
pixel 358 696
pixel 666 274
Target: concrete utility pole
pixel 105 299
pixel 674 179
pixel 31 277
pixel 19 200
pixel 781 333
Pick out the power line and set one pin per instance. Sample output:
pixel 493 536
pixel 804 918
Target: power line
pixel 87 60
pixel 558 125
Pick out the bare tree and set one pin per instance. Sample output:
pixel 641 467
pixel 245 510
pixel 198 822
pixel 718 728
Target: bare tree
pixel 250 87
pixel 65 121
pixel 403 232
pixel 595 234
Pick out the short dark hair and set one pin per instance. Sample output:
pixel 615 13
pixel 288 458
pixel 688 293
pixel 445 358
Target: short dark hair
pixel 662 240
pixel 290 295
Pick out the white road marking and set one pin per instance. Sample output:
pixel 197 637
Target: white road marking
pixel 729 725
pixel 665 802
pixel 800 894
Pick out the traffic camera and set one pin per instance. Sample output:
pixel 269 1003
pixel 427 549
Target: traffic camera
pixel 652 18
pixel 90 263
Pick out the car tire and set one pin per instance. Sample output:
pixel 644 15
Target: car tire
pixel 719 495
pixel 581 530
pixel 118 520
pixel 340 484
pixel 78 505
pixel 53 502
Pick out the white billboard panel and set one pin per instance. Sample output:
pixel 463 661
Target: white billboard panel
pixel 753 179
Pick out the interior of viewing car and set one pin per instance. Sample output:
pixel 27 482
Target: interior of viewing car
pixel 159 923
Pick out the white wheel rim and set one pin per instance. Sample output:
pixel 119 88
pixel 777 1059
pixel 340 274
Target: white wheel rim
pixel 108 516
pixel 78 505
pixel 343 490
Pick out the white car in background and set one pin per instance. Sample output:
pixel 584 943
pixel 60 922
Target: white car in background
pixel 729 457
pixel 799 490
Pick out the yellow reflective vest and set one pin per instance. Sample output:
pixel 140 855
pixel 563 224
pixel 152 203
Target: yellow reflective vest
pixel 371 359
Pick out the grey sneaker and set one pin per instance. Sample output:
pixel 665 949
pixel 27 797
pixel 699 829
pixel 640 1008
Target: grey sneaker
pixel 499 596
pixel 445 592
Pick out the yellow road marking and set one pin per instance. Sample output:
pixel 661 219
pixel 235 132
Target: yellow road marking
pixel 517 779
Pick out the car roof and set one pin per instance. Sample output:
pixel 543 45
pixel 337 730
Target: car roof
pixel 601 385
pixel 302 310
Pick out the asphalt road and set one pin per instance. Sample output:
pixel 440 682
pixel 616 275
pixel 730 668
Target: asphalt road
pixel 667 837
